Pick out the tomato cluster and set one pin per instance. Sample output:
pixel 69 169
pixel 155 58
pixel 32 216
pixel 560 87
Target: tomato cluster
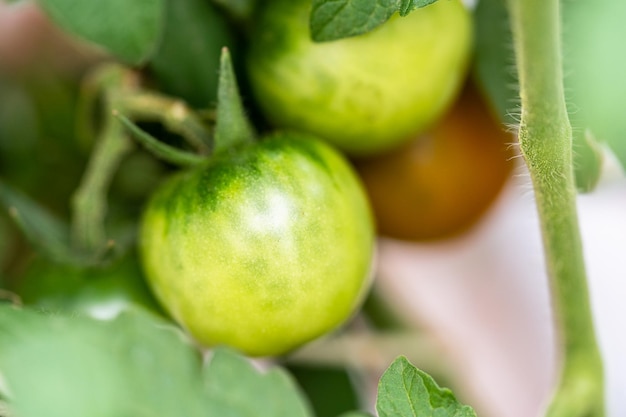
pixel 269 242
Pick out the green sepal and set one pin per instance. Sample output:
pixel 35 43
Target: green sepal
pixel 232 125
pixel 159 149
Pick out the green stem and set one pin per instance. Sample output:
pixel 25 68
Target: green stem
pixel 373 351
pixel 546 143
pixel 121 92
pixel 90 202
pixel 175 115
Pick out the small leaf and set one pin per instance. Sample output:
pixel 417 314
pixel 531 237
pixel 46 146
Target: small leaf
pixel 407 6
pixel 128 30
pixel 404 390
pixel 232 124
pixel 337 19
pixel 236 389
pixel 45 232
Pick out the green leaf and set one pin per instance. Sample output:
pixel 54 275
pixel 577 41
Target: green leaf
pixel 494 63
pixel 59 366
pixel 189 69
pixel 404 390
pixel 336 19
pixel 594 64
pixel 134 365
pixel 356 414
pixel 407 6
pixel 330 390
pixel 127 29
pixel 45 232
pixel 236 389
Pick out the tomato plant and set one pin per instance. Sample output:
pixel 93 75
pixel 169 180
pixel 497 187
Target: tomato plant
pixel 444 180
pixel 254 230
pixel 363 94
pixel 264 248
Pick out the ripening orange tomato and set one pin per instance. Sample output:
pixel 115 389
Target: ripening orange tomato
pixel 443 181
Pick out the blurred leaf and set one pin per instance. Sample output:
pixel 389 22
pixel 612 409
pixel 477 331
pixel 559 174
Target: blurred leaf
pixel 236 389
pixel 187 60
pixel 128 30
pixel 494 62
pixel 594 65
pixel 46 233
pixel 239 9
pixel 329 390
pixel 404 390
pixel 58 366
pixel 336 19
pixel 134 365
pixel 100 291
pixel 37 118
pixel 356 414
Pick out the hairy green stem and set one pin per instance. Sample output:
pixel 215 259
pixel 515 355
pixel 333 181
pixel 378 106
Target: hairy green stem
pixel 546 144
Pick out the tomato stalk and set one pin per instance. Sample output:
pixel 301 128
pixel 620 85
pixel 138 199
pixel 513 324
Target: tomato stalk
pixel 545 137
pixel 373 352
pixel 122 95
pixel 89 200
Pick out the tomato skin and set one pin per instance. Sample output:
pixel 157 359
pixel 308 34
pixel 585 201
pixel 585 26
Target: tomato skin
pixel 442 182
pixel 265 248
pixel 363 94
pixel 99 291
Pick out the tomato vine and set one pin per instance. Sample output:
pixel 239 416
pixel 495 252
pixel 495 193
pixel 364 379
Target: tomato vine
pixel 545 138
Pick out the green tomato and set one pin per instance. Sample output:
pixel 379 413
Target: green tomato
pixel 100 292
pixel 364 94
pixel 267 247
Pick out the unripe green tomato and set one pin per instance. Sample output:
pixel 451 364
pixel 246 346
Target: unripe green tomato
pixel 364 94
pixel 263 249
